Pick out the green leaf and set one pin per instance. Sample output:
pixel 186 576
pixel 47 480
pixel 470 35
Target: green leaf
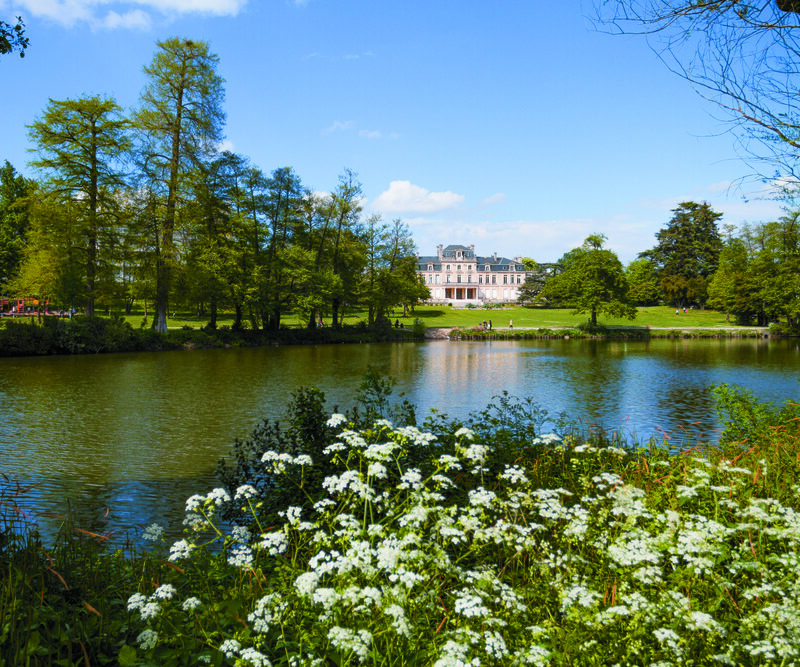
pixel 33 642
pixel 127 656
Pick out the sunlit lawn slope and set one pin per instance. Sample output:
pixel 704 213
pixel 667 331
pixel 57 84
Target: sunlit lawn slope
pixel 445 316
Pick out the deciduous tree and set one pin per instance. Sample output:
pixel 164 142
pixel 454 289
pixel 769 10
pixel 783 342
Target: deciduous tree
pixel 592 281
pixel 14 190
pixel 79 144
pixel 179 123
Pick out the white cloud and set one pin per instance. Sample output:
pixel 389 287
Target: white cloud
pixel 137 19
pixel 338 126
pixel 225 145
pixel 216 7
pixel 403 196
pixel 497 198
pixel 370 134
pixel 113 14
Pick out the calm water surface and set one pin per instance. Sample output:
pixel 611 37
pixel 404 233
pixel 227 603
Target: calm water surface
pixel 138 433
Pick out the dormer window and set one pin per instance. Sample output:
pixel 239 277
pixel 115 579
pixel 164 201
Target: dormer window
pixel 430 267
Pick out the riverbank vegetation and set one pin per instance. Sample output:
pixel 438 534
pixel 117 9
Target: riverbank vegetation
pixel 31 336
pixel 93 335
pixel 509 538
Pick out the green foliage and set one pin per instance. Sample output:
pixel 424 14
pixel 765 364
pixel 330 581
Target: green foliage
pixel 511 549
pixel 305 433
pixel 61 603
pixel 12 38
pixel 493 541
pixel 80 144
pixel 643 282
pixel 179 119
pixel 14 221
pixel 592 281
pixel 687 254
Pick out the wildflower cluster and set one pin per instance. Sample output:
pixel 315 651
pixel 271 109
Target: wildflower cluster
pixel 452 561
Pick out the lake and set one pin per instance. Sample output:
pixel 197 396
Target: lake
pixel 139 433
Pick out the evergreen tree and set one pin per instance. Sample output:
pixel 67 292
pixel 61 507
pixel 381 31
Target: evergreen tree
pixel 687 254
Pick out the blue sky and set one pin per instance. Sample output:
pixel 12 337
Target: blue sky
pixel 513 125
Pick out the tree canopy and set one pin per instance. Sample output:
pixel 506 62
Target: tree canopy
pixel 687 253
pixel 178 124
pixel 592 281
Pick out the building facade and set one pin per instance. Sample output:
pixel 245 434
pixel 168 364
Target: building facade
pixel 457 275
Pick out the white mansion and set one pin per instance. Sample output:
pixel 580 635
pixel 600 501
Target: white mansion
pixel 455 274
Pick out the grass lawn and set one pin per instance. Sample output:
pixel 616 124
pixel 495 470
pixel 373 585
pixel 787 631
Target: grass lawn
pixel 445 316
pixel 549 318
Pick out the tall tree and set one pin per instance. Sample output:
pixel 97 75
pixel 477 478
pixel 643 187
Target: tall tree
pixel 740 54
pixel 339 242
pixel 212 273
pixel 284 213
pixel 179 123
pixel 687 253
pixel 53 265
pixel 390 277
pixel 592 281
pixel 14 221
pixel 731 287
pixel 79 144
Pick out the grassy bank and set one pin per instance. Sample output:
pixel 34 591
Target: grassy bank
pixel 446 316
pixel 487 542
pixel 85 335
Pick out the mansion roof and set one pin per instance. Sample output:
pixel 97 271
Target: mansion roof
pixel 466 254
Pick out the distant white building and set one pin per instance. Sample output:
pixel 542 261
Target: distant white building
pixel 457 275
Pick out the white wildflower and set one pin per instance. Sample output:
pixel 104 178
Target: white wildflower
pixel 470 606
pixel 190 604
pixel 149 610
pixel 254 657
pixel 147 639
pixel 180 550
pixel 245 492
pixel 229 648
pixel 153 533
pixel 164 592
pixel 275 543
pixel 347 640
pixel 399 621
pixel 240 555
pixel 306 583
pixel 335 420
pixel 136 601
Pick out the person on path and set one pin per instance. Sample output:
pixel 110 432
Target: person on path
pixel 511 324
